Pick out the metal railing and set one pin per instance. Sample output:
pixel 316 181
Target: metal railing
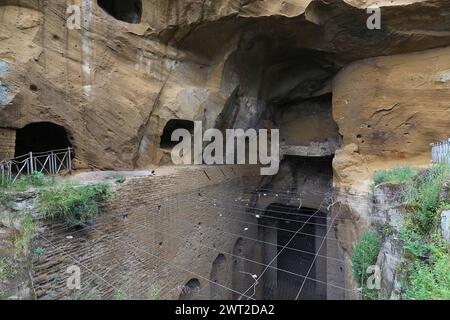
pixel 440 152
pixel 51 162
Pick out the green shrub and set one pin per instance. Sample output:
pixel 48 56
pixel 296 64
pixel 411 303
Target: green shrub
pixel 6 200
pixel 35 180
pixel 6 269
pixel 428 274
pixel 422 197
pixel 77 205
pixel 119 296
pixel 386 230
pixel 413 243
pixel 394 176
pixel 429 281
pixel 27 232
pixel 365 255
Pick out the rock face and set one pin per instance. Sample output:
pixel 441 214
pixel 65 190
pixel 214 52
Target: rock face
pixel 388 214
pixel 373 98
pixel 404 108
pixel 113 85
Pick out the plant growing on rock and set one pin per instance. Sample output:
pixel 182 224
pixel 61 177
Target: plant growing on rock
pixel 394 176
pixel 77 205
pixel 426 271
pixel 26 234
pixel 422 198
pixel 364 255
pixel 25 182
pixel 429 281
pixel 6 269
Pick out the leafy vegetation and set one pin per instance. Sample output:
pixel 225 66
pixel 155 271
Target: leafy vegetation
pixel 394 176
pixel 365 255
pixel 27 232
pixel 422 198
pixel 119 296
pixel 386 231
pixel 429 281
pixel 6 269
pixel 426 272
pixel 35 180
pixel 77 205
pixel 6 200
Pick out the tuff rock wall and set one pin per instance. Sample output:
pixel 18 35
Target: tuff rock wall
pixel 114 85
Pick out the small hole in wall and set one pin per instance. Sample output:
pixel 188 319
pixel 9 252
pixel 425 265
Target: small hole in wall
pixel 190 289
pixel 55 37
pixel 33 87
pixel 128 11
pixel 172 125
pixel 359 136
pixel 161 243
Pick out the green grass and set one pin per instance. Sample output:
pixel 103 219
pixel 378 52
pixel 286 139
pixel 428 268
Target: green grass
pixel 119 296
pixel 6 200
pixel 27 232
pixel 386 231
pixel 426 272
pixel 6 269
pixel 429 281
pixel 77 205
pixel 422 198
pixel 394 176
pixel 364 255
pixel 24 183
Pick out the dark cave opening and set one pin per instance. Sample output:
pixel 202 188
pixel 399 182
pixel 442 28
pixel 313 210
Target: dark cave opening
pixel 171 126
pixel 41 137
pixel 125 10
pixel 190 290
pixel 218 275
pixel 297 260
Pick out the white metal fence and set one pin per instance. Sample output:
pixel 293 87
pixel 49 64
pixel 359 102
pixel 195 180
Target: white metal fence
pixel 440 152
pixel 52 162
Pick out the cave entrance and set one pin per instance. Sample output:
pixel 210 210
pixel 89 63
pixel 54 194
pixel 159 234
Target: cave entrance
pixel 41 137
pixel 218 279
pixel 298 258
pixel 190 290
pixel 171 126
pixel 128 11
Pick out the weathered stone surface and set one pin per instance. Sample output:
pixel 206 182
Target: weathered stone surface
pixel 389 261
pixel 114 85
pixel 7 143
pixel 389 109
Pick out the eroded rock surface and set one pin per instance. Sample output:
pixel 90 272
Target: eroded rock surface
pixel 114 85
pixel 374 98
